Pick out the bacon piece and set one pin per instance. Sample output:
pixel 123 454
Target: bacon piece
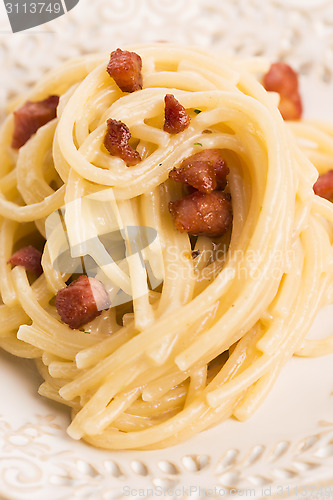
pixel 176 117
pixel 116 142
pixel 283 79
pixel 81 301
pixel 200 175
pixel 28 257
pixel 204 171
pixel 125 68
pixel 30 117
pixel 324 185
pixel 202 213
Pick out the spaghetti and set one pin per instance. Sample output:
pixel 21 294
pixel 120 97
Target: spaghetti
pixel 209 338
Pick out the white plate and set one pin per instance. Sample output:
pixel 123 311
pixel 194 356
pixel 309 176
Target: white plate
pixel 286 449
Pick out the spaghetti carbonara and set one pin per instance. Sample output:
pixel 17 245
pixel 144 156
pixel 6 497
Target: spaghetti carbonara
pixel 191 323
